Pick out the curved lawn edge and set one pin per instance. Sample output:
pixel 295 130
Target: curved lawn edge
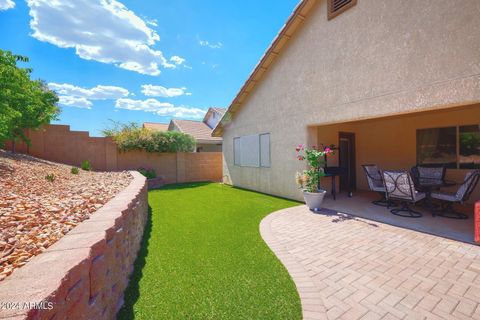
pixel 310 297
pixel 204 257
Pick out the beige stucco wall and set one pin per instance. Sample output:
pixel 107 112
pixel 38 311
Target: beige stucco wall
pixel 377 59
pixel 390 142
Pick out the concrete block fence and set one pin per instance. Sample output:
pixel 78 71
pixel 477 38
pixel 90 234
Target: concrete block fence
pixel 84 274
pixel 60 144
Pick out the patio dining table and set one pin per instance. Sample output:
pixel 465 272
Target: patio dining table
pixel 428 185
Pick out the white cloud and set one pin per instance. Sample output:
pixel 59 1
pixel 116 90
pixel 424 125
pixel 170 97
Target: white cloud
pixel 97 93
pixel 205 43
pixel 6 4
pixel 73 96
pixel 102 30
pixel 158 91
pixel 77 102
pixel 149 105
pixel 160 108
pixel 152 22
pixel 182 112
pixel 177 60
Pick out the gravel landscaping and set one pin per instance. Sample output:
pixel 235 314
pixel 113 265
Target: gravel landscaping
pixel 40 201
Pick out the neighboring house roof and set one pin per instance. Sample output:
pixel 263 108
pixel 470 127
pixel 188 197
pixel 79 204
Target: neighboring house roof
pixel 198 129
pixel 294 21
pixel 156 126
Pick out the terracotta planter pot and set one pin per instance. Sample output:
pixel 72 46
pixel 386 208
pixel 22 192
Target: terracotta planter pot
pixel 314 200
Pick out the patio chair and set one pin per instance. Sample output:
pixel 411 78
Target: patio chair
pixel 375 183
pixel 399 186
pixel 460 196
pixel 420 173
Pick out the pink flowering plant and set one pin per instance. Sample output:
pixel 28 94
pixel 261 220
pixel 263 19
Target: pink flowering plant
pixel 309 180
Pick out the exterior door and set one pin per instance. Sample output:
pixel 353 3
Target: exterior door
pixel 346 161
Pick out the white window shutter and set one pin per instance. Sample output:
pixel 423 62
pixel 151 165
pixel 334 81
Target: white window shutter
pixel 265 150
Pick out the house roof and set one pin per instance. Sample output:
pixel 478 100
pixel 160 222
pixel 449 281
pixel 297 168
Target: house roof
pixel 156 126
pixel 294 21
pixel 198 129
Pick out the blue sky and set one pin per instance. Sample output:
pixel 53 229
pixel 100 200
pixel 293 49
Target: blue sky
pixel 140 60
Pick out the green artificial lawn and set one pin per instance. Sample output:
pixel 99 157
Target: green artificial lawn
pixel 202 257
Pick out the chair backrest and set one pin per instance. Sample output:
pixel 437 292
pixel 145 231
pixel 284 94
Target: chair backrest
pixel 437 173
pixel 469 183
pixel 399 185
pixel 374 177
pixel 414 172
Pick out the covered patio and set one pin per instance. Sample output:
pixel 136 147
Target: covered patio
pixel 360 205
pixel 447 137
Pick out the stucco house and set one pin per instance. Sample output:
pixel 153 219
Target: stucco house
pixel 382 80
pixel 200 130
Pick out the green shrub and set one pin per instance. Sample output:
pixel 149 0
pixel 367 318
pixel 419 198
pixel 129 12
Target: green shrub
pixel 50 177
pixel 148 173
pixel 132 137
pixel 86 165
pixel 74 170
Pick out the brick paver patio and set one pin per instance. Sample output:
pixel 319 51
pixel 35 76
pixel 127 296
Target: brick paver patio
pixel 350 268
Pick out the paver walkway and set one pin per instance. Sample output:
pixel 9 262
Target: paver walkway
pixel 350 268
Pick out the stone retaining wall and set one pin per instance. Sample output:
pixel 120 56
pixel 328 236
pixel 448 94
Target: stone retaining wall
pixel 83 275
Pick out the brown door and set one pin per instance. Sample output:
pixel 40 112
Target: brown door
pixel 346 161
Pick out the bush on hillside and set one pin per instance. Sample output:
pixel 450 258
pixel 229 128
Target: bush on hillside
pixel 147 173
pixel 132 137
pixel 86 165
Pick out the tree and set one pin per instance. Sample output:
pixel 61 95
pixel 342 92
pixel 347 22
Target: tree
pixel 24 103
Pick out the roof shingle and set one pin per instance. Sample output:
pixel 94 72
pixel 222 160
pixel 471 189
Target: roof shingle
pixel 156 126
pixel 198 129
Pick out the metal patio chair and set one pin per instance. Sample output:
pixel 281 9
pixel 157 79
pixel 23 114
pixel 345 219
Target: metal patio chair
pixel 425 174
pixel 399 186
pixel 460 196
pixel 375 183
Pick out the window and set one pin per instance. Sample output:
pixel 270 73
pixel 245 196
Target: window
pixel 335 7
pixel 265 150
pixel 438 146
pixel 252 150
pixel 236 151
pixel 469 156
